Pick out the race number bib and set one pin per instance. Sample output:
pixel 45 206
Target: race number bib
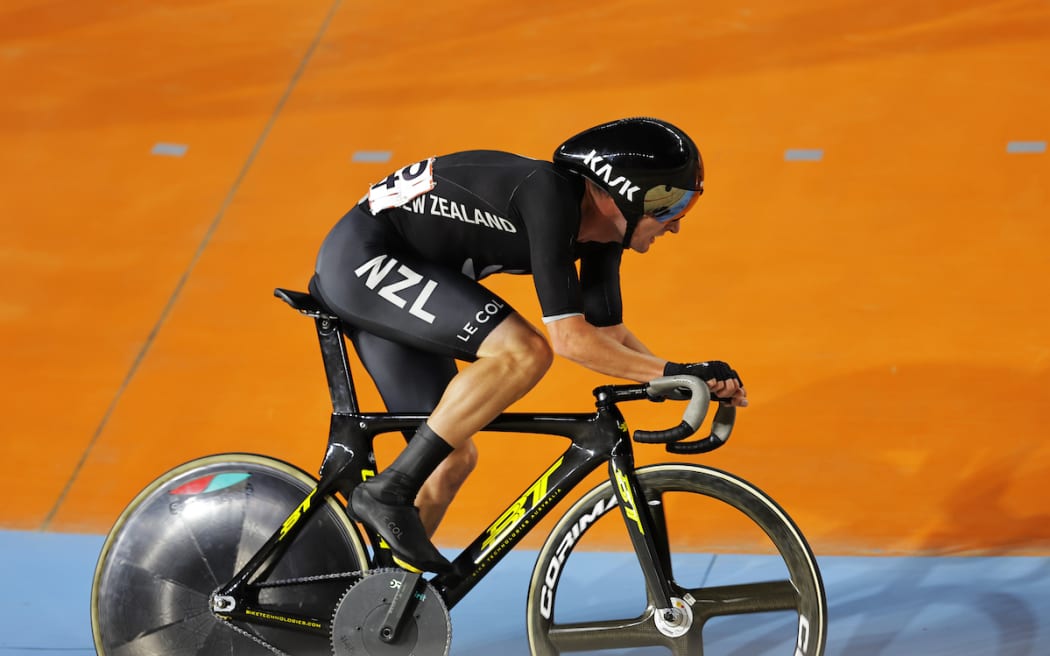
pixel 402 186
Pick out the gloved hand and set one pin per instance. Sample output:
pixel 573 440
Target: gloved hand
pixel 724 383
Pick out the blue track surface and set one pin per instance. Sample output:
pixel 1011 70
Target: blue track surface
pixel 878 606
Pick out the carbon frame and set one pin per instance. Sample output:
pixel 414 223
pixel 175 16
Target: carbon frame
pixel 594 438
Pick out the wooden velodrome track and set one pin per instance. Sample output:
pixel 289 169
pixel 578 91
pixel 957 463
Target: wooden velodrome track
pixel 871 252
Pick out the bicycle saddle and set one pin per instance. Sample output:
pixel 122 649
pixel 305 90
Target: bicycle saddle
pixel 304 303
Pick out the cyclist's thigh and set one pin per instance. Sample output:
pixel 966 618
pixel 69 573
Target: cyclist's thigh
pixel 408 379
pixel 374 284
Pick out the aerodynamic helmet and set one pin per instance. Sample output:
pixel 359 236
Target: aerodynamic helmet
pixel 647 165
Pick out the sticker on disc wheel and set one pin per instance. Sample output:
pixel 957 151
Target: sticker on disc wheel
pixel 361 614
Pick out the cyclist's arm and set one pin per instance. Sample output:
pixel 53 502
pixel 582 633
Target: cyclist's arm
pixel 606 350
pixel 620 333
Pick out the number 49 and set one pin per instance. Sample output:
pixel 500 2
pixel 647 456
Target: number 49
pixel 402 186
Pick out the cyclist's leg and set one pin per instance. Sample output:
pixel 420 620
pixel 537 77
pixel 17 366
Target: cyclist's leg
pixel 372 283
pixel 409 379
pixel 412 381
pixel 443 484
pixel 510 361
pixel 506 367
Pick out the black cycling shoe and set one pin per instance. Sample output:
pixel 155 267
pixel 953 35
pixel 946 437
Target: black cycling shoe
pixel 401 528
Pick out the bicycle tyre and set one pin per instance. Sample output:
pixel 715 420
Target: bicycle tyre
pixel 802 590
pixel 188 532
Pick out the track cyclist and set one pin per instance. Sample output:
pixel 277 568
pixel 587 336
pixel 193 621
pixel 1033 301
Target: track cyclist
pixel 402 270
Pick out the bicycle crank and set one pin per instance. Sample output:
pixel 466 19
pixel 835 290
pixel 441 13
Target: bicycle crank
pixel 391 612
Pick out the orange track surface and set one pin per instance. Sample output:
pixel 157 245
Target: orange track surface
pixel 886 305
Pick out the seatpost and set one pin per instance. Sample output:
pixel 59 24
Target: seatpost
pixel 338 455
pixel 336 365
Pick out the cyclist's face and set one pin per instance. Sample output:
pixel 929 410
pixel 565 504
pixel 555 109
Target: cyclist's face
pixel 648 229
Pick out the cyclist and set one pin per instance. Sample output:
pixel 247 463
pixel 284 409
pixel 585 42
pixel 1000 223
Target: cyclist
pixel 401 269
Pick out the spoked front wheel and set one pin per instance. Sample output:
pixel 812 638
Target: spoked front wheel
pixel 587 592
pixel 188 533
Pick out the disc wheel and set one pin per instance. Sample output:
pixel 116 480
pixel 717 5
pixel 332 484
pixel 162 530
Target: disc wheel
pixel 188 533
pixel 359 618
pixel 766 598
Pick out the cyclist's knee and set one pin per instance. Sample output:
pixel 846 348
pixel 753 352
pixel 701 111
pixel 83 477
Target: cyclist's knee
pixel 521 343
pixel 534 352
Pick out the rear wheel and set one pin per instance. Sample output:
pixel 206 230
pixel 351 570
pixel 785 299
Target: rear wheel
pixel 189 532
pixel 770 601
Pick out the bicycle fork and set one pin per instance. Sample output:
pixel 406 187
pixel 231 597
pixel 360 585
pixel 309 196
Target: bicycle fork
pixel 648 531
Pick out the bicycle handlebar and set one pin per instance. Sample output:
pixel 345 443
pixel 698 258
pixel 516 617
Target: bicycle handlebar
pixel 699 396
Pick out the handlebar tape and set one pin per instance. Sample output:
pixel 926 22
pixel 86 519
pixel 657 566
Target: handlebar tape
pixel 679 432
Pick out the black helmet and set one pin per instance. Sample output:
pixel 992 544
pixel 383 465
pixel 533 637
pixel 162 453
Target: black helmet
pixel 647 165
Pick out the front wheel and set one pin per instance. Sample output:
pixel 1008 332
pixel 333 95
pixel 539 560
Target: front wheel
pixel 587 592
pixel 188 533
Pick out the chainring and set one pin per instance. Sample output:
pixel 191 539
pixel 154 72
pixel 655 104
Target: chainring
pixel 427 629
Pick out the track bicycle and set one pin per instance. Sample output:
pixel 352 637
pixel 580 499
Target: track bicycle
pixel 247 554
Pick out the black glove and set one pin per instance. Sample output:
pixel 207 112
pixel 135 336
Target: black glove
pixel 705 371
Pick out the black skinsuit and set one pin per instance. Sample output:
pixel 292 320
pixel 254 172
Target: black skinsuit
pixel 401 268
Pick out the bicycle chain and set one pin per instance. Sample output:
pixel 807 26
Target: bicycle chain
pixel 311 579
pixel 287 583
pixel 252 636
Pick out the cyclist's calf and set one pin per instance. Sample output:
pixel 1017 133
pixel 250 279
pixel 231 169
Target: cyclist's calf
pixel 441 487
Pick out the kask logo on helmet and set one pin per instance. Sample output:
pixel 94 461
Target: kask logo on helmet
pixel 604 170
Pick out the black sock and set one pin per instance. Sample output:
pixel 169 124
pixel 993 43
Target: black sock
pixel 400 482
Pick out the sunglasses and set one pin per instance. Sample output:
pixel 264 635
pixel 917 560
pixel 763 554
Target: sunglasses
pixel 669 203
